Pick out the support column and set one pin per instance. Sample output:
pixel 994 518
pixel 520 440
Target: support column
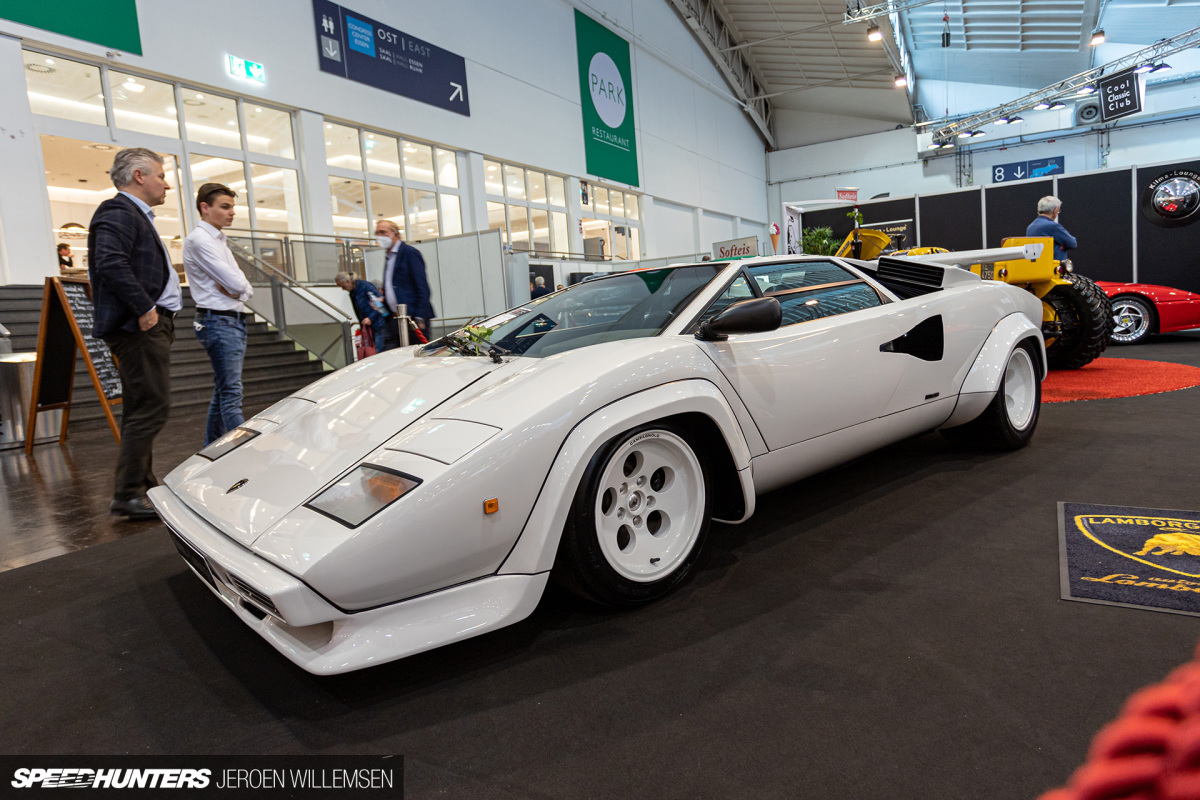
pixel 26 225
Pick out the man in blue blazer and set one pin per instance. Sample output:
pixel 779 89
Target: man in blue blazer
pixel 404 280
pixel 136 295
pixel 1046 224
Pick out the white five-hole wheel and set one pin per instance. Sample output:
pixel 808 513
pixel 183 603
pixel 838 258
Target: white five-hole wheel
pixel 639 518
pixel 649 506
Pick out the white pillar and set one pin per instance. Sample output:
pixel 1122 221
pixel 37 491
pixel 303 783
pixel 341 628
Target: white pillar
pixel 26 227
pixel 318 209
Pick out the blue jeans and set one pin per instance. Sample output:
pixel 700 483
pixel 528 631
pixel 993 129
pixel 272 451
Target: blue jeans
pixel 225 340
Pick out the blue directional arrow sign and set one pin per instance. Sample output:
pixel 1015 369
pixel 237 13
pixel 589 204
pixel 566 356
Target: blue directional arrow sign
pixel 1010 172
pixel 1020 170
pixel 357 47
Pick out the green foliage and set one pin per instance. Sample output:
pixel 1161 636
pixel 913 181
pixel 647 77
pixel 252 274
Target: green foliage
pixel 478 333
pixel 818 241
pixel 855 215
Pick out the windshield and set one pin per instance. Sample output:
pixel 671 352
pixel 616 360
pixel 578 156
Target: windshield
pixel 632 305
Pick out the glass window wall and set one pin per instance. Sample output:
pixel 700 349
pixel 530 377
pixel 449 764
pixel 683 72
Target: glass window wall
pixel 268 131
pixel 142 105
pixel 62 88
pixel 211 119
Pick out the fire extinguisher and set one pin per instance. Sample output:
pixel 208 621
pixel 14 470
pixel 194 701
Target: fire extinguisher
pixel 356 340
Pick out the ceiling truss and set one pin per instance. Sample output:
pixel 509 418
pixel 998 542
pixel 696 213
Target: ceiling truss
pixel 715 35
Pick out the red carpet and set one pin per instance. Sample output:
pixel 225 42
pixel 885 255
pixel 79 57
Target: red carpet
pixel 1117 377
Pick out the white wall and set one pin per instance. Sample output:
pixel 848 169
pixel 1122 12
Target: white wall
pixel 891 162
pixel 696 147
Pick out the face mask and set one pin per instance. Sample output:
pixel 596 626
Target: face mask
pixel 384 241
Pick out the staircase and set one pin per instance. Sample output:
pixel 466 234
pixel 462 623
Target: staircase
pixel 275 366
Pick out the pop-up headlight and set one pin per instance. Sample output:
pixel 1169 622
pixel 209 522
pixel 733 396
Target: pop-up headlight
pixel 230 441
pixel 362 493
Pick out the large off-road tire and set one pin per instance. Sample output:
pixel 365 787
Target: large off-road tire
pixel 1010 419
pixel 639 518
pixel 1085 314
pixel 1134 319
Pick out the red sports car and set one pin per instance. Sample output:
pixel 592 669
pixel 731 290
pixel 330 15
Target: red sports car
pixel 1140 309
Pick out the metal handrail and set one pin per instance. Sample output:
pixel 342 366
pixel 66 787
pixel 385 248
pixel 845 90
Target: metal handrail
pixel 304 234
pixel 279 282
pixel 291 282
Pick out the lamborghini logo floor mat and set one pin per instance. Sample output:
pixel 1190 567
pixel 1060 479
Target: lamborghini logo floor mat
pixel 1139 557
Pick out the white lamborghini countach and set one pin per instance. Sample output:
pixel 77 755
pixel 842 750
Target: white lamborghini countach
pixel 427 494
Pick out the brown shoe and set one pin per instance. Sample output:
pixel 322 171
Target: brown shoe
pixel 137 508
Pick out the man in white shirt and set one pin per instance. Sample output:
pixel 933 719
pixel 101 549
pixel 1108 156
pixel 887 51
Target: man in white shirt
pixel 220 291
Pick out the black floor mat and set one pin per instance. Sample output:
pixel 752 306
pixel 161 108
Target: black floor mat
pixel 1139 557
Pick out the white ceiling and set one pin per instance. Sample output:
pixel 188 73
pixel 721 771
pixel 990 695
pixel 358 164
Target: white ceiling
pixel 811 62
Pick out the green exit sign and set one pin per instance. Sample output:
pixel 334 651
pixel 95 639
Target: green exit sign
pixel 249 70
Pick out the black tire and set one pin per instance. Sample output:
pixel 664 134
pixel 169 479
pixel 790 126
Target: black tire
pixel 1010 419
pixel 607 553
pixel 1134 318
pixel 1085 314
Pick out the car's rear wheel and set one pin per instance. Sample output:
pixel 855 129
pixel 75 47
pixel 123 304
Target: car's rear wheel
pixel 1133 319
pixel 639 518
pixel 1084 314
pixel 1010 419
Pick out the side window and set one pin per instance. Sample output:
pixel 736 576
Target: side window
pixel 773 278
pixel 738 290
pixel 819 303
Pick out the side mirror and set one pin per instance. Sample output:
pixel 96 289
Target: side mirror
pixel 759 315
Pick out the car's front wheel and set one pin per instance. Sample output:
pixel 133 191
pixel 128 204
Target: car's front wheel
pixel 1133 319
pixel 639 518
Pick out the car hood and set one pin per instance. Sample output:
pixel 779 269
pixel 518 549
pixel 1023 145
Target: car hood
pixel 336 423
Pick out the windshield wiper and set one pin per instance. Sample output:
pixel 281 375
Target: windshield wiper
pixel 458 343
pixel 496 351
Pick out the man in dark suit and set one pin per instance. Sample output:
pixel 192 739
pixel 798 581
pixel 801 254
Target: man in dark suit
pixel 136 295
pixel 404 280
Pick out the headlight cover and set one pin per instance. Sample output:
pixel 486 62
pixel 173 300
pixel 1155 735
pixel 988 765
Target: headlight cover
pixel 230 441
pixel 362 493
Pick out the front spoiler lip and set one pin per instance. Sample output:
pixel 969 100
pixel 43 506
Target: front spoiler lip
pixel 326 641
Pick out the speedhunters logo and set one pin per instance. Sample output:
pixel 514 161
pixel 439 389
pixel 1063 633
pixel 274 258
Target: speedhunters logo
pixel 227 776
pixel 83 778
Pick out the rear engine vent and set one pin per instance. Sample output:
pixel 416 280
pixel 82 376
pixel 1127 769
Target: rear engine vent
pixel 910 278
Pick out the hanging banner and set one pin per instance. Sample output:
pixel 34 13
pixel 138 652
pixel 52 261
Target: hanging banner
pixel 113 23
pixel 606 95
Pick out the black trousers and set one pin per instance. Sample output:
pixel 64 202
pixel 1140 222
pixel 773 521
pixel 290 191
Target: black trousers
pixel 144 363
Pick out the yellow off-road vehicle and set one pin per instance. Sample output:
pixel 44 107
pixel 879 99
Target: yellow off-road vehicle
pixel 1077 316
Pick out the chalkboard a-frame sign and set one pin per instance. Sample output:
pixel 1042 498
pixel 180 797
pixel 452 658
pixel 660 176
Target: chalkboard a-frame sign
pixel 65 327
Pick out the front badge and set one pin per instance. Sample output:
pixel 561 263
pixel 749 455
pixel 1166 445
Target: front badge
pixel 237 485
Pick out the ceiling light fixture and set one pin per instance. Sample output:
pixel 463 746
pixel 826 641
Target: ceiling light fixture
pixel 901 81
pixel 874 34
pixel 1042 106
pixel 1142 69
pixel 1058 104
pixel 1087 90
pixel 1097 37
pixel 1002 121
pixel 979 133
pixel 1161 66
pixel 1015 120
pixel 965 134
